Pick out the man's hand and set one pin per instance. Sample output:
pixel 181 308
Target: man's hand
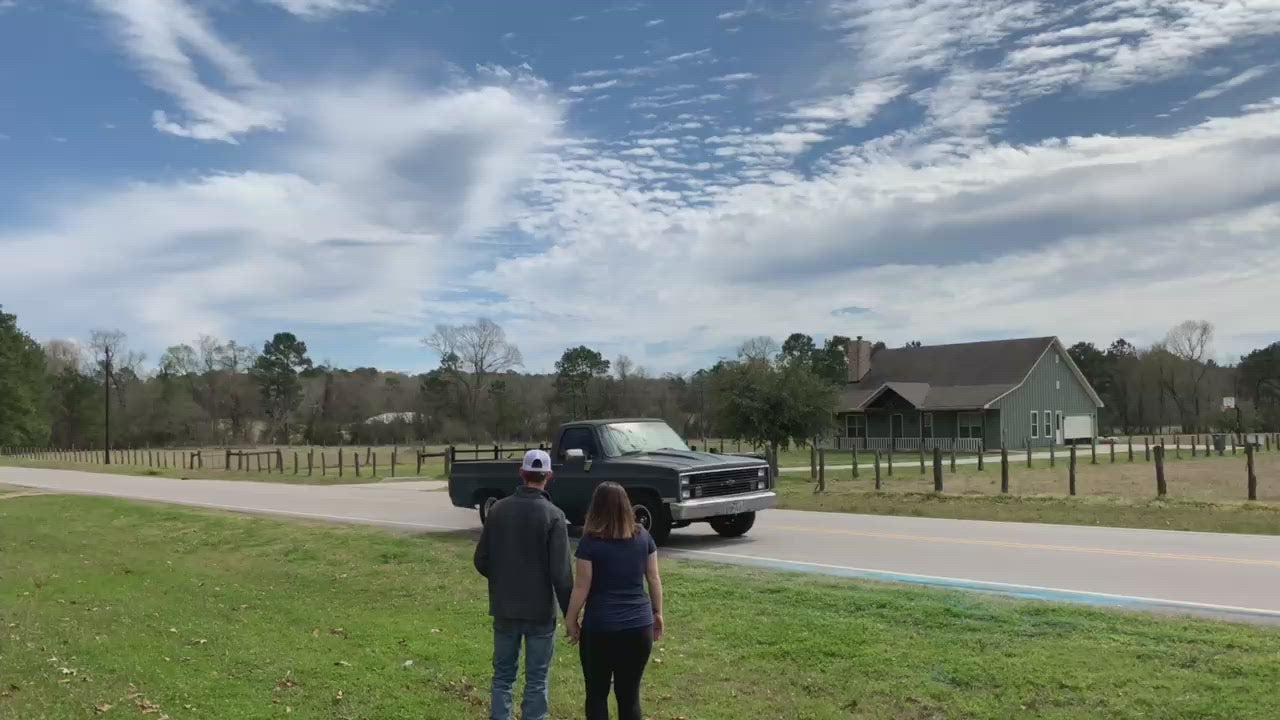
pixel 657 626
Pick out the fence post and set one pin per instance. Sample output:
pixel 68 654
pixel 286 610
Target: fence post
pixel 1053 454
pixel 311 455
pixel 1130 448
pixel 982 451
pixel 822 470
pixel 937 468
pixel 813 462
pixel 496 452
pixel 1233 443
pixel 1177 447
pixel 889 458
pixel 1253 478
pixel 1268 439
pixel 324 464
pixel 295 462
pixel 921 456
pixel 1161 489
pixel 393 461
pixel 1028 453
pixel 854 455
pixel 877 470
pixel 339 461
pixel 375 466
pixel 1004 469
pixel 279 460
pixel 1195 440
pixel 1146 449
pixel 1071 473
pixel 953 457
pixel 355 462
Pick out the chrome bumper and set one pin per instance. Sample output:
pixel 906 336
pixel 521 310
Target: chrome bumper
pixel 730 505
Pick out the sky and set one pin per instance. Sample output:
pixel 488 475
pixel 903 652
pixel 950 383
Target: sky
pixel 657 179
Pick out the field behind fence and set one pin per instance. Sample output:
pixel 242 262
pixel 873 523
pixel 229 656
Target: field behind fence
pixel 1237 468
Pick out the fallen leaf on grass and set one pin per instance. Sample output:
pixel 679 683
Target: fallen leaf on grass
pixel 338 631
pixel 147 707
pixel 343 663
pixel 286 683
pixel 102 707
pixel 408 663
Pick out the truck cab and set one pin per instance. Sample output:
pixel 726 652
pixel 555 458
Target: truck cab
pixel 670 485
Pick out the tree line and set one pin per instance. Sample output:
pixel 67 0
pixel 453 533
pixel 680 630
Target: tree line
pixel 222 392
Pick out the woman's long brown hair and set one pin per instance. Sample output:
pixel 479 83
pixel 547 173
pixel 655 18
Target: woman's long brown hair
pixel 610 516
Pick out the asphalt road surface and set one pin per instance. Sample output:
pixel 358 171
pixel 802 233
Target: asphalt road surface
pixel 1230 576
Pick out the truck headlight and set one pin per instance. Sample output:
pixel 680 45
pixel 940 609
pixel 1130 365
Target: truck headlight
pixel 760 472
pixel 762 484
pixel 684 493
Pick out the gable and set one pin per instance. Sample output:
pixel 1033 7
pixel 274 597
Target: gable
pixel 998 362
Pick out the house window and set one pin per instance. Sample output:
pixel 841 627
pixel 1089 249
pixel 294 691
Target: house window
pixel 970 425
pixel 855 426
pixel 1057 384
pixel 1035 424
pixel 926 426
pixel 1048 423
pixel 1058 419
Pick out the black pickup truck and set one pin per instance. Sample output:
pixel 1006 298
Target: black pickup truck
pixel 670 485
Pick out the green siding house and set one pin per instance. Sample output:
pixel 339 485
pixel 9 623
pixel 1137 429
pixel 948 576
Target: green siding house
pixel 968 396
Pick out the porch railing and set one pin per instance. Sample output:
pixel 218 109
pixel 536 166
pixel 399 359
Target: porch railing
pixel 964 445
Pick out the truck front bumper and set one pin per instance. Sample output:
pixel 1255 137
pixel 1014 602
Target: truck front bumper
pixel 731 505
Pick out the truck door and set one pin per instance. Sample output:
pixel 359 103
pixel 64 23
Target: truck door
pixel 572 484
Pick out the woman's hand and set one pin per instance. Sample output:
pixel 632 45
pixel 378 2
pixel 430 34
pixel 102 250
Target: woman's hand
pixel 657 626
pixel 573 631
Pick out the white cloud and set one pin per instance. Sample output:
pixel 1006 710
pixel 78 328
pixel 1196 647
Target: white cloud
pixel 378 191
pixel 578 89
pixel 165 39
pixel 1247 76
pixel 734 77
pixel 856 108
pixel 321 9
pixel 654 23
pixel 689 55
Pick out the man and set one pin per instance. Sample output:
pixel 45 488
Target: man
pixel 524 552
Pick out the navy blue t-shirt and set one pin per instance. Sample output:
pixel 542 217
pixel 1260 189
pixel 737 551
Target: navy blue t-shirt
pixel 617 600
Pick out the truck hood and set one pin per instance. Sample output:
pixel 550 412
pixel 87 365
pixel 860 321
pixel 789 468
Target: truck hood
pixel 685 460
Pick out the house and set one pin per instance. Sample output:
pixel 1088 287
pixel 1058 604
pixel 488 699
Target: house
pixel 967 396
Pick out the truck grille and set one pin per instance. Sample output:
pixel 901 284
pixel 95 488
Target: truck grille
pixel 724 482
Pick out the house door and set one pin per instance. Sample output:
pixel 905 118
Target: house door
pixel 1058 427
pixel 895 427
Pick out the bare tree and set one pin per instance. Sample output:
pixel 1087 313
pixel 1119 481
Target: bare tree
pixel 470 355
pixel 111 354
pixel 63 355
pixel 760 349
pixel 1190 342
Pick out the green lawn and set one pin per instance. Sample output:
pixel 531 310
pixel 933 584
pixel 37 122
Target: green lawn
pixel 127 608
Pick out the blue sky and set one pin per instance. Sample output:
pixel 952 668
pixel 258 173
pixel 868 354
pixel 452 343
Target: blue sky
pixel 656 179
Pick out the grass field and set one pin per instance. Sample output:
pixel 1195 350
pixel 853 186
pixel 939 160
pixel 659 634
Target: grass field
pixel 1205 494
pixel 113 609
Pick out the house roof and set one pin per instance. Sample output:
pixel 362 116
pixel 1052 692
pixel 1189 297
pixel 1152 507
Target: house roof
pixel 960 376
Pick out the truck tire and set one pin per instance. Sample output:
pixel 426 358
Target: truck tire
pixel 733 525
pixel 652 515
pixel 486 502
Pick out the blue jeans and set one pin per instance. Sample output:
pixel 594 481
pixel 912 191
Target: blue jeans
pixel 539 647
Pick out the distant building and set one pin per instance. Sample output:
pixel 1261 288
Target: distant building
pixel 966 394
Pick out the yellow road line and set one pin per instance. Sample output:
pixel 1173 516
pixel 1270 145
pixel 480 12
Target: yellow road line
pixel 1034 546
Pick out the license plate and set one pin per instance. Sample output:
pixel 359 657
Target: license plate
pixel 735 507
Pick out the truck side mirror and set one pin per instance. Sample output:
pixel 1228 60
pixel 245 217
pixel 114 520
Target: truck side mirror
pixel 575 455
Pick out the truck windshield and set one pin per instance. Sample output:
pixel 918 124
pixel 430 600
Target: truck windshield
pixel 640 437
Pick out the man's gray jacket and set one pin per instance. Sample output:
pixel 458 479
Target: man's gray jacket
pixel 524 552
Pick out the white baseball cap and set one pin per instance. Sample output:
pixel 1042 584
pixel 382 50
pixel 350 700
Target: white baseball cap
pixel 536 461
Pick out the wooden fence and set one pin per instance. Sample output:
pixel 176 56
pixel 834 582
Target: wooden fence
pixel 1151 450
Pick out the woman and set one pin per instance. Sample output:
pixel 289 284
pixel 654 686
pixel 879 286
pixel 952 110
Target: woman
pixel 616 634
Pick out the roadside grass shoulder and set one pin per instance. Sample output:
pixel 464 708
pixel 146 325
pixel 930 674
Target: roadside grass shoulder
pixel 193 614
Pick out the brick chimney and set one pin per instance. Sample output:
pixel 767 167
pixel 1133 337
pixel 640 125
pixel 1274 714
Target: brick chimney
pixel 858 354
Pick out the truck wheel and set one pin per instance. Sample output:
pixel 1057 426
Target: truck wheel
pixel 652 515
pixel 486 504
pixel 733 525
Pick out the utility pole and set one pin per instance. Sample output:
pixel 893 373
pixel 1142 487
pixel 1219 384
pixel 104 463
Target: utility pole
pixel 106 409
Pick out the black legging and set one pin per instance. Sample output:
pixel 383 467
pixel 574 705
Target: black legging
pixel 619 657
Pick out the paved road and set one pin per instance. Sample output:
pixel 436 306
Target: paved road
pixel 1233 576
